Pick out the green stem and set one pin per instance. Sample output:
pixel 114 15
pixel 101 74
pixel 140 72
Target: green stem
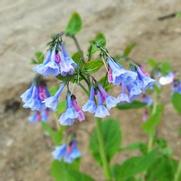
pixel 78 47
pixel 178 172
pixel 105 163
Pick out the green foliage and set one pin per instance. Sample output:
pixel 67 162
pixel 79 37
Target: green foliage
pixel 99 40
pixel 61 107
pixel 132 105
pixel 74 25
pixel 56 136
pixel 163 67
pixel 39 57
pixel 142 147
pixel 111 132
pixel 129 49
pixel 92 66
pixel 176 101
pixel 134 165
pixel 153 121
pixel 67 172
pixel 163 169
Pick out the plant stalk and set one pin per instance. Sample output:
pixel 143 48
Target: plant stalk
pixel 104 160
pixel 178 172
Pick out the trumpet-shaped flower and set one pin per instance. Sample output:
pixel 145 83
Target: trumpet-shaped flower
pixel 67 152
pixel 52 102
pixel 33 98
pixel 50 65
pixel 123 97
pixel 90 105
pixel 37 116
pixel 101 110
pixel 67 65
pixel 167 79
pixel 145 80
pixel 69 116
pixel 81 115
pixel 176 88
pixel 110 101
pixel 117 74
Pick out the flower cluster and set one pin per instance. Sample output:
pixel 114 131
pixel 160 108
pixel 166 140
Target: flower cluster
pixel 67 152
pixel 34 98
pixel 58 63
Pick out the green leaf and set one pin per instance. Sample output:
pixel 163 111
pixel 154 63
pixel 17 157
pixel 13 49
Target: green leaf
pixel 53 90
pixel 74 25
pixel 134 166
pixel 165 68
pixel 56 136
pixel 61 107
pixel 92 66
pixel 150 125
pixel 178 14
pixel 176 101
pixel 142 147
pixel 129 49
pixel 66 172
pixel 39 57
pixel 163 170
pixel 132 105
pixel 112 139
pixel 77 57
pixel 104 82
pixel 100 40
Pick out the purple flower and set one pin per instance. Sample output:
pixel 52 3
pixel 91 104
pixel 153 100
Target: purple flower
pixel 37 116
pixel 67 64
pixel 110 101
pixel 52 102
pixel 167 79
pixel 176 88
pixel 50 65
pixel 117 74
pixel 81 115
pixel 134 90
pixel 33 98
pixel 69 116
pixel 123 97
pixel 67 152
pixel 144 79
pixel 147 100
pixel 101 110
pixel 90 105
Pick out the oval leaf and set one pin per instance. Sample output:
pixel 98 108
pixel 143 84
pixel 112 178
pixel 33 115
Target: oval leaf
pixel 74 25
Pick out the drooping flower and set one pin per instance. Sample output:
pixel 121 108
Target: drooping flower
pixel 134 90
pixel 81 115
pixel 147 99
pixel 67 64
pixel 37 116
pixel 167 79
pixel 110 101
pixel 144 79
pixel 101 110
pixel 176 87
pixel 117 74
pixel 33 98
pixel 69 116
pixel 123 97
pixel 52 102
pixel 90 105
pixel 57 61
pixel 50 65
pixel 67 152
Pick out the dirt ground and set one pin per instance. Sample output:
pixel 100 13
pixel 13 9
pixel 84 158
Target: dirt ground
pixel 25 153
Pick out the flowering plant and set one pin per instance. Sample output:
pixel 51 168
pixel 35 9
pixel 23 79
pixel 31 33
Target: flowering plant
pixel 137 89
